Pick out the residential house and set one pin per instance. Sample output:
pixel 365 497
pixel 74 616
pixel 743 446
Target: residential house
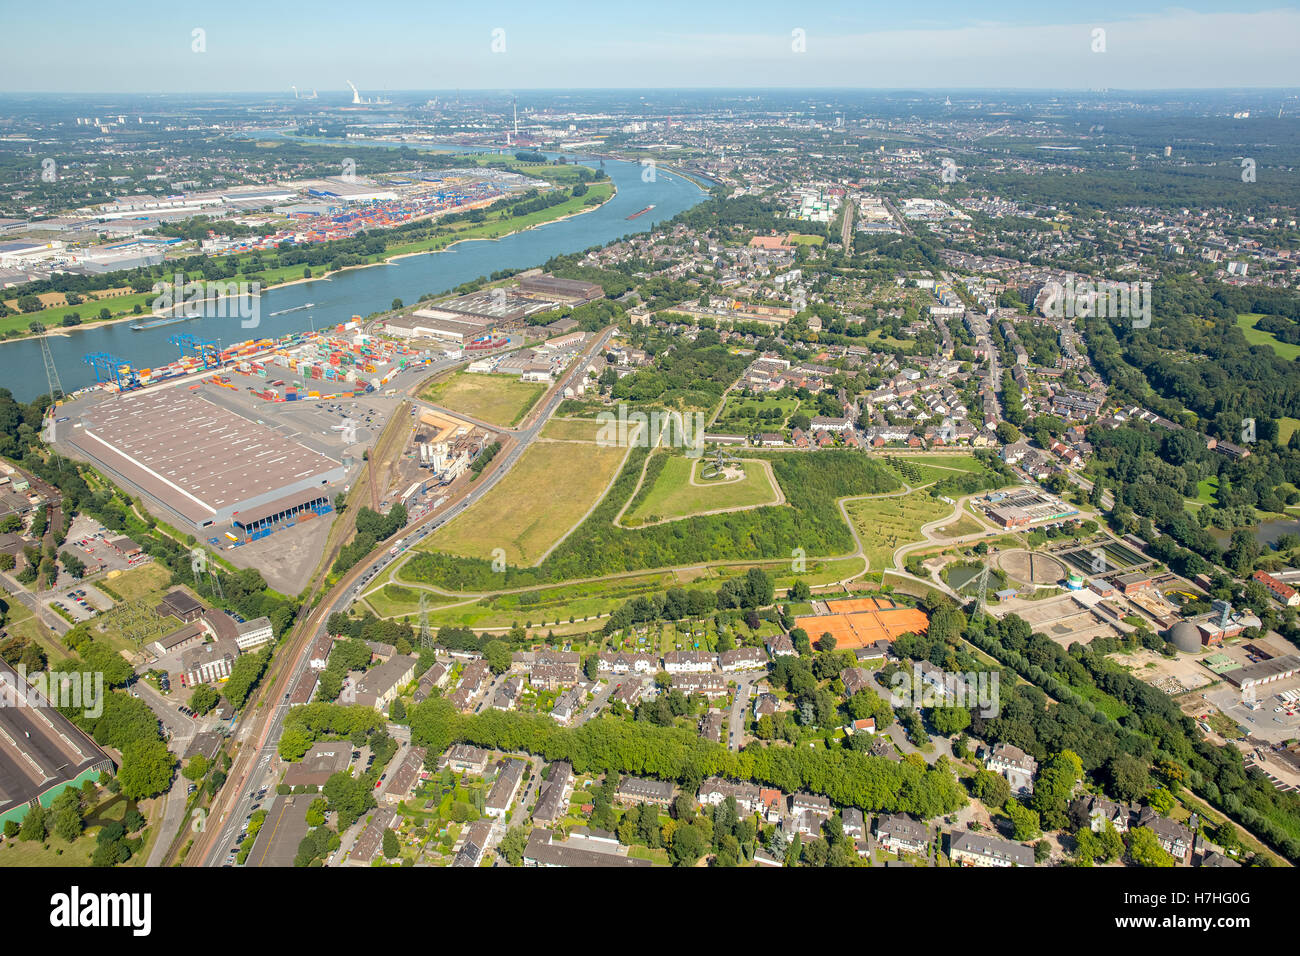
pixel 900 834
pixel 855 679
pixel 854 823
pixel 781 646
pixel 710 685
pixel 1173 836
pixel 474 844
pixel 379 686
pixel 464 758
pixel 568 704
pixel 624 663
pixel 1014 764
pixel 742 658
pixel 715 791
pixel 505 788
pixel 553 804
pixel 977 849
pixel 507 695
pixel 771 804
pixel 689 662
pixel 403 780
pixel 1096 812
pixel 638 790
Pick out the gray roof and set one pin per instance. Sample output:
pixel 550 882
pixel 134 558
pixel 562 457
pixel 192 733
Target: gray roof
pixel 994 848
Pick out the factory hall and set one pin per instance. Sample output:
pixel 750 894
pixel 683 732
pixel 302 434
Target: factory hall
pixel 204 464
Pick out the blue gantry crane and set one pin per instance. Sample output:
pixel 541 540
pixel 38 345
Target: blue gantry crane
pixel 111 368
pixel 205 350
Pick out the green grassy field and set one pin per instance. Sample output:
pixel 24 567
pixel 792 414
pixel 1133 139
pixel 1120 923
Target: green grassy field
pixel 963 526
pixel 1246 322
pixel 396 600
pixel 1285 428
pixel 934 468
pixel 544 495
pixel 571 429
pixel 554 607
pixel 947 462
pixel 886 524
pixel 21 622
pixel 146 581
pixel 1207 489
pixel 56 851
pixel 674 496
pixel 499 399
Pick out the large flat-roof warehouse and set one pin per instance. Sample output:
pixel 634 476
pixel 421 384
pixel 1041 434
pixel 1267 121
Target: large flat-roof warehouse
pixel 41 751
pixel 202 462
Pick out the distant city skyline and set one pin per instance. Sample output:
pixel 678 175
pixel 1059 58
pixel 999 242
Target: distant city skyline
pixel 404 45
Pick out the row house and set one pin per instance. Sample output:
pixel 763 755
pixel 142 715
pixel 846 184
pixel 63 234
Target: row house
pixel 689 662
pixel 829 424
pixel 710 685
pixel 625 663
pixel 639 790
pixel 436 676
pixel 742 659
pixel 553 676
pixel 977 849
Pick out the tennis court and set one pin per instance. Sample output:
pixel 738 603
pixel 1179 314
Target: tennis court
pixel 860 622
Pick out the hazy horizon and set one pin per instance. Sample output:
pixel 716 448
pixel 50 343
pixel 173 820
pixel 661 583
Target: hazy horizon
pixel 1008 45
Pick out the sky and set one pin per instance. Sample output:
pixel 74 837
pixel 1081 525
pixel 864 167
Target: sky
pixel 391 45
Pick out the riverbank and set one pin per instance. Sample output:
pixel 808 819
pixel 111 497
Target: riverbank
pixel 434 245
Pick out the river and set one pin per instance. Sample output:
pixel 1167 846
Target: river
pixel 363 290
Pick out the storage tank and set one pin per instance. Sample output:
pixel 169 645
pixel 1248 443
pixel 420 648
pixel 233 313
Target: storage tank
pixel 1186 637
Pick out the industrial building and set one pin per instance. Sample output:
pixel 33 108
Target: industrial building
pixel 1265 672
pixel 204 464
pixel 42 753
pixel 573 290
pixel 440 324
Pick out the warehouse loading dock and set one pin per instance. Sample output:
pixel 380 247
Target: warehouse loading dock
pixel 283 513
pixel 200 461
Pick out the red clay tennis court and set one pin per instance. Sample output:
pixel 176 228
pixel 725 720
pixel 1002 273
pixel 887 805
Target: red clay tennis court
pixel 859 622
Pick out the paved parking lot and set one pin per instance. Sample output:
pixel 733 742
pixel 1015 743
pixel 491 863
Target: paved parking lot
pixel 88 542
pixel 1271 721
pixel 81 603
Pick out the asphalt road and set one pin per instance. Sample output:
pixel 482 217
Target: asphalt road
pixel 745 681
